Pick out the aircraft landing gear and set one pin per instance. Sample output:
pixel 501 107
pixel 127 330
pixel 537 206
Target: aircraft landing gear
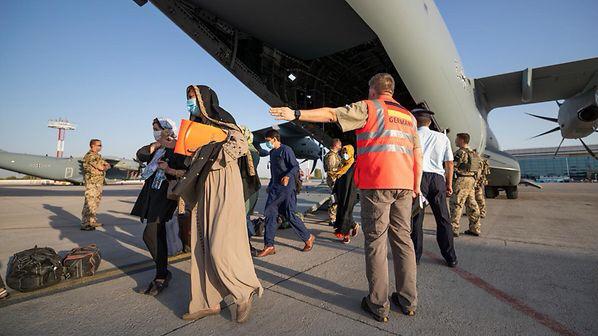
pixel 512 192
pixel 490 192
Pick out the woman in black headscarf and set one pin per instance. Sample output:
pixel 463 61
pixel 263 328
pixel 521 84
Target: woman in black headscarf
pixel 221 262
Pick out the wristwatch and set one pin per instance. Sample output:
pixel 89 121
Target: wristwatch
pixel 297 114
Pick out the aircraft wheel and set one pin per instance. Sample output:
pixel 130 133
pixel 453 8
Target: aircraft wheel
pixel 512 192
pixel 491 192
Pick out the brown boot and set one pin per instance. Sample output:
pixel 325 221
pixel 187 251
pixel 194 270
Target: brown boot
pixel 309 244
pixel 268 250
pixel 201 314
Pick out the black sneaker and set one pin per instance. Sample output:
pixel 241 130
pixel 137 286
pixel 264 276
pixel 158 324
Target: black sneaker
pixel 395 299
pixel 367 309
pixel 452 264
pixel 88 228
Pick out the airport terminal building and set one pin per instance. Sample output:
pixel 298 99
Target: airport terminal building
pixel 573 162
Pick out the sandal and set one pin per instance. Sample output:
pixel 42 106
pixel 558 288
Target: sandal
pixel 158 285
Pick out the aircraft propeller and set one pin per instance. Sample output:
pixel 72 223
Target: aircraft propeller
pixel 588 149
pixel 556 129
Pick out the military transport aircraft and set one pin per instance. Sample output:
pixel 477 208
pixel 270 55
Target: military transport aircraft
pixel 71 169
pixel 295 137
pixel 314 53
pixel 66 169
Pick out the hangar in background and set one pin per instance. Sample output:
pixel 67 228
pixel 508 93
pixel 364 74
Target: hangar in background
pixel 572 161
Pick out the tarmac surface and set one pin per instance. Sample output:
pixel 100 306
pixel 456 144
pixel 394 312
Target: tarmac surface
pixel 534 271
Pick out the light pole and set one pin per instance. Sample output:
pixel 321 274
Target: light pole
pixel 62 126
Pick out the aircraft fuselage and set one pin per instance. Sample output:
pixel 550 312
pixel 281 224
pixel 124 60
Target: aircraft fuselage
pixel 313 53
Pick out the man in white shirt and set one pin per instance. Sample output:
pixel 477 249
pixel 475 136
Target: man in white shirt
pixel 436 185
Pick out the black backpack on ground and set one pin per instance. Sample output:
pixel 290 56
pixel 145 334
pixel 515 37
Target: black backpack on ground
pixel 259 225
pixel 81 261
pixel 33 269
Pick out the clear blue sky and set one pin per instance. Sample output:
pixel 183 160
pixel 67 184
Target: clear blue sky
pixel 111 66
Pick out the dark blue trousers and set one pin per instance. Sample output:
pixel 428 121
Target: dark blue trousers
pixel 282 199
pixel 433 187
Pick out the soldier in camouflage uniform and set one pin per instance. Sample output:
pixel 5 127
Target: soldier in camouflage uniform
pixel 481 182
pixel 94 168
pixel 464 184
pixel 332 163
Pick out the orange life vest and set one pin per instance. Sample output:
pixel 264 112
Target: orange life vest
pixel 385 147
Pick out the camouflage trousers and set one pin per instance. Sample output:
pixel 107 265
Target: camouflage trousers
pixel 481 200
pixel 93 195
pixel 464 195
pixel 332 209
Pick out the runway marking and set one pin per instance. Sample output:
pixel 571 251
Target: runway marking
pixel 517 304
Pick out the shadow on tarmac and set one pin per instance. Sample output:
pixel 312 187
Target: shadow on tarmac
pixel 116 238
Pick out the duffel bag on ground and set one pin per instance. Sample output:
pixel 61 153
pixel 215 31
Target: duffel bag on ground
pixel 32 269
pixel 81 261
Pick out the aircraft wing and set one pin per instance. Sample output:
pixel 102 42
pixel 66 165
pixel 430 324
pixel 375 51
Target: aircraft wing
pixel 535 85
pixel 123 164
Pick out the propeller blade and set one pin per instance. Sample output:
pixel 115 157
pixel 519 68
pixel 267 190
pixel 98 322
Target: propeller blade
pixel 588 149
pixel 544 118
pixel 559 147
pixel 547 132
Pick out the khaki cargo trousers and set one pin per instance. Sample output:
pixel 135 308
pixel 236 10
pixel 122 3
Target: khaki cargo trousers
pixel 386 217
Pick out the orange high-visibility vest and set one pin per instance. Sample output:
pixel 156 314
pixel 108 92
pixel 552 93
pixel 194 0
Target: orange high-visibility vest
pixel 385 145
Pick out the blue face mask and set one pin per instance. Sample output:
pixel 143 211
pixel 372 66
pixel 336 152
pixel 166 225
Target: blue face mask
pixel 269 145
pixel 192 107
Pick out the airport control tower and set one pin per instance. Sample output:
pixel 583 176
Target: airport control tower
pixel 62 125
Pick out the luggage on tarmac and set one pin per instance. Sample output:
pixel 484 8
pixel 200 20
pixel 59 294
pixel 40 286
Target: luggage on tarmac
pixel 259 226
pixel 173 237
pixel 81 261
pixel 33 269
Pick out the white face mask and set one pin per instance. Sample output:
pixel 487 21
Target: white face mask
pixel 157 135
pixel 346 156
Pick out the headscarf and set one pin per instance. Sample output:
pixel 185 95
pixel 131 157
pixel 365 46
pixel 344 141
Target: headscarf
pixel 346 164
pixel 168 125
pixel 210 113
pixel 207 101
pixel 247 133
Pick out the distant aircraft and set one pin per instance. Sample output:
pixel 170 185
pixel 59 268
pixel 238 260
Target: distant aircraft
pixel 66 169
pixel 314 53
pixel 295 137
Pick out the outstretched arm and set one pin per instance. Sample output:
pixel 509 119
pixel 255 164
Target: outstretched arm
pixel 320 115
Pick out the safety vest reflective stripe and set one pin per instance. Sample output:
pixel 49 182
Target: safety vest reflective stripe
pixel 384 133
pixel 379 116
pixel 384 148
